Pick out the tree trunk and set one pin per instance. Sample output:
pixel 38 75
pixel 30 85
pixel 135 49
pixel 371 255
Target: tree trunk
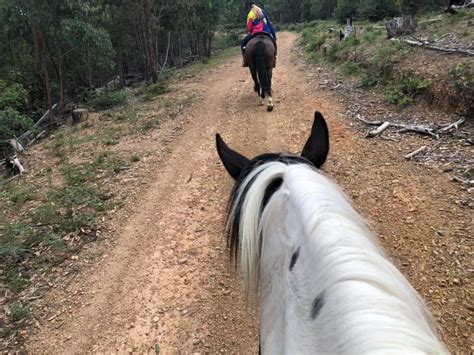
pixel 152 62
pixel 40 53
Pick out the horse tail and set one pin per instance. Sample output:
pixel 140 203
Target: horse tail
pixel 262 73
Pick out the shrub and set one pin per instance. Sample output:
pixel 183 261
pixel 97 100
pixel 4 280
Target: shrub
pixel 13 123
pixel 102 100
pixel 404 91
pixel 463 76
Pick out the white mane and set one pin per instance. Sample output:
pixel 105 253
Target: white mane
pixel 325 284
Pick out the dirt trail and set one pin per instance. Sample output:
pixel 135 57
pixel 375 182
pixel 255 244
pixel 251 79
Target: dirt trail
pixel 166 282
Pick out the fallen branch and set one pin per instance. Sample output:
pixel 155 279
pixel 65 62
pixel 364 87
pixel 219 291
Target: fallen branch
pixel 417 129
pixel 371 123
pixel 16 145
pixel 5 182
pixel 402 128
pixel 428 45
pixel 455 125
pixel 377 131
pixel 15 161
pixel 416 152
pixel 37 124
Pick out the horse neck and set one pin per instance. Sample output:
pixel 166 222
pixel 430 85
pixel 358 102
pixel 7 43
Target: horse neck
pixel 325 285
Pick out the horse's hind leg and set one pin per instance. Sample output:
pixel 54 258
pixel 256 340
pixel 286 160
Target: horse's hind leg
pixel 270 104
pixel 270 99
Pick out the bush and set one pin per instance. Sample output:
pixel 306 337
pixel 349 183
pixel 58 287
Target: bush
pixel 404 91
pixel 12 96
pixel 102 100
pixel 13 123
pixel 463 76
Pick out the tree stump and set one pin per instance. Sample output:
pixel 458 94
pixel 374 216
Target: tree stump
pixel 398 26
pixel 80 115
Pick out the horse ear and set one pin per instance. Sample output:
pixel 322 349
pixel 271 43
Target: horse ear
pixel 317 147
pixel 233 161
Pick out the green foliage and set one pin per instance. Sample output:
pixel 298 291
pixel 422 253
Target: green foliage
pixel 346 8
pixel 17 311
pixel 376 10
pixel 351 68
pixel 13 123
pixel 12 96
pixel 15 281
pixel 380 69
pixel 150 91
pixel 105 99
pixel 312 38
pixel 463 76
pixel 404 91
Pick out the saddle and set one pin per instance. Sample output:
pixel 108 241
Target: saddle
pixel 257 35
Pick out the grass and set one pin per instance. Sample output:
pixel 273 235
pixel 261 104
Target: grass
pixel 17 312
pixel 368 56
pixel 102 100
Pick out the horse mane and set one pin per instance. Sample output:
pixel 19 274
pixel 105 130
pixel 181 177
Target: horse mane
pixel 342 245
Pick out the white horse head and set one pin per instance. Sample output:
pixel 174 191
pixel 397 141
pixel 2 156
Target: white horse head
pixel 325 285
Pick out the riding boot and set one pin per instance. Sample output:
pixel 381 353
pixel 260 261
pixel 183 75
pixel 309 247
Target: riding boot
pixel 244 64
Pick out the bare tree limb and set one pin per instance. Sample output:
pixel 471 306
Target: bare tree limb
pixel 371 123
pixel 402 128
pixel 428 45
pixel 167 53
pixel 416 152
pixel 455 125
pixel 377 131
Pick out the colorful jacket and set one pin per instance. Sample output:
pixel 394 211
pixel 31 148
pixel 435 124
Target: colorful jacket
pixel 256 25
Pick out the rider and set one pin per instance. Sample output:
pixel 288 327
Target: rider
pixel 258 22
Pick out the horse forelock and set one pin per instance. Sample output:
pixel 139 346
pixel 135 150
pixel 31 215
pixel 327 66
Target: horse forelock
pixel 241 189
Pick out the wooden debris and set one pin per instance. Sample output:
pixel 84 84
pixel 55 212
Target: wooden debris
pixel 377 131
pixel 416 152
pixel 80 115
pixel 16 145
pixel 27 134
pixel 15 161
pixel 399 26
pixel 402 128
pixel 435 47
pixel 455 124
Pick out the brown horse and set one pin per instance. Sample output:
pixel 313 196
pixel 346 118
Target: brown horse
pixel 260 57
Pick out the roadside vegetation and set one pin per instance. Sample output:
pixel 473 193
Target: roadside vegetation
pixel 402 73
pixel 49 214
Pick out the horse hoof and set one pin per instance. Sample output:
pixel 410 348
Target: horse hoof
pixel 269 108
pixel 261 104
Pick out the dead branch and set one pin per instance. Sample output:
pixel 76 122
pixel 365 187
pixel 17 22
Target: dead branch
pixel 7 181
pixel 15 161
pixel 417 129
pixel 435 47
pixel 455 124
pixel 402 128
pixel 16 145
pixel 371 123
pixel 416 152
pixel 432 20
pixel 37 124
pixel 377 131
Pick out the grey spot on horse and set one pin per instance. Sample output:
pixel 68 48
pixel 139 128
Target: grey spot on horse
pixel 318 304
pixel 294 257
